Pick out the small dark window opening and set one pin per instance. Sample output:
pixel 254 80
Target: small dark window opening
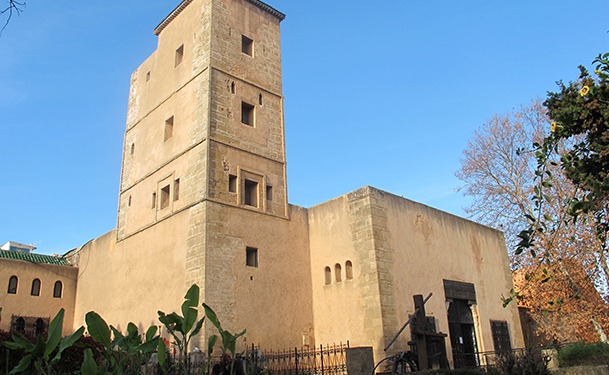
pixel 232 183
pixel 232 87
pixel 57 289
pixel 251 256
pixel 327 276
pixel 247 114
pixel 247 45
pixel 153 200
pixel 132 148
pixel 251 193
pixel 337 271
pixel 260 99
pixel 129 202
pixel 39 327
pixel 179 55
pixel 501 336
pixel 349 270
pixel 176 189
pixel 19 325
pixel 147 76
pixel 269 192
pixel 165 197
pixel 36 287
pixel 12 285
pixel 168 128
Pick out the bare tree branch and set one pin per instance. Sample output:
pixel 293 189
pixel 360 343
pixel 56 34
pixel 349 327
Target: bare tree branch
pixel 12 7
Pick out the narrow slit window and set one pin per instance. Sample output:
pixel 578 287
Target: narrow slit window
pixel 327 276
pixel 251 256
pixel 153 200
pixel 57 289
pixel 179 55
pixel 247 45
pixel 165 197
pixel 251 193
pixel 247 114
pixel 147 76
pixel 349 270
pixel 337 273
pixel 168 128
pixel 176 189
pixel 269 192
pixel 132 148
pixel 260 99
pixel 129 202
pixel 232 183
pixel 36 287
pixel 12 285
pixel 232 87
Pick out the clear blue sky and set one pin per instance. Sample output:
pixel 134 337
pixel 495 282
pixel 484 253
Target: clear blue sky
pixel 381 93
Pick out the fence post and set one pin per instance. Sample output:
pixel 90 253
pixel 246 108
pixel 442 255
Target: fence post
pixel 296 357
pixel 321 353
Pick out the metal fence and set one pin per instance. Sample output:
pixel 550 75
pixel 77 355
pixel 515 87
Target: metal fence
pixel 323 360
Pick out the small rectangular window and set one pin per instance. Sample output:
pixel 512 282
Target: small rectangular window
pixel 153 200
pixel 501 336
pixel 247 45
pixel 251 193
pixel 179 55
pixel 147 76
pixel 165 197
pixel 176 189
pixel 269 192
pixel 129 202
pixel 247 114
pixel 232 183
pixel 251 256
pixel 168 128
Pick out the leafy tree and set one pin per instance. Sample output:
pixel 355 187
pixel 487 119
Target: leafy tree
pixel 499 171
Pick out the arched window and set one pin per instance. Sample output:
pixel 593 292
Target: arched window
pixel 12 285
pixel 19 325
pixel 36 287
pixel 349 270
pixel 328 275
pixel 39 327
pixel 337 271
pixel 57 289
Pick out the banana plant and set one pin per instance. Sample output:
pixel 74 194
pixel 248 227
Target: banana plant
pixel 182 328
pixel 229 340
pixel 40 354
pixel 123 354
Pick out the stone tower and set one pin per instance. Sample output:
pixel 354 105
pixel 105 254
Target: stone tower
pixel 204 168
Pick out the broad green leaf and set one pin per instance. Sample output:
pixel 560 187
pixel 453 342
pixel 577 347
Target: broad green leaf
pixel 98 329
pixel 118 338
pixel 132 329
pixel 24 343
pixel 189 319
pixel 66 342
pixel 23 364
pixel 148 346
pixel 151 332
pixel 39 348
pixel 211 315
pixel 89 367
pixel 198 327
pixel 54 335
pixel 191 299
pixel 12 345
pixel 161 355
pixel 211 342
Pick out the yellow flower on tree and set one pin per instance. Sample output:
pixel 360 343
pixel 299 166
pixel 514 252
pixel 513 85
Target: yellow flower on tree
pixel 553 126
pixel 597 72
pixel 584 91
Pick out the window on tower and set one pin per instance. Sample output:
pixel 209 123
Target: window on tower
pixel 247 114
pixel 168 128
pixel 247 45
pixel 165 197
pixel 251 193
pixel 179 55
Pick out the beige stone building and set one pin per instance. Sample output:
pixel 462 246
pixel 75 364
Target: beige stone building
pixel 38 286
pixel 203 199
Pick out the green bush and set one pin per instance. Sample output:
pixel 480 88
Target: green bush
pixel 584 354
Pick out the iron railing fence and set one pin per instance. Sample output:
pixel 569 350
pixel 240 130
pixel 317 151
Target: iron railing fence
pixel 322 360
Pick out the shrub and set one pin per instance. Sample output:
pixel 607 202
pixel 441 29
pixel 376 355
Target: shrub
pixel 529 362
pixel 581 353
